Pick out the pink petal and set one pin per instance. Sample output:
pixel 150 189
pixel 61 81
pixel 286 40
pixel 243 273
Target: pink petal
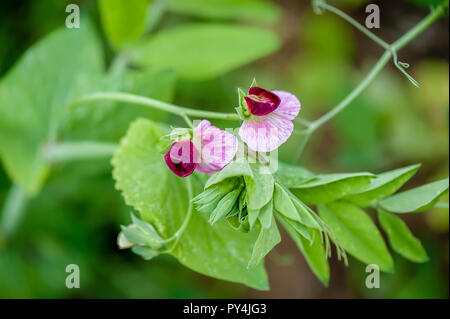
pixel 266 133
pixel 215 147
pixel 180 158
pixel 289 105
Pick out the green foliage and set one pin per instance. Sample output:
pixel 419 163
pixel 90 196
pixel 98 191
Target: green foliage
pixel 123 21
pixel 329 187
pixel 163 200
pixel 357 234
pixel 400 237
pixel 208 50
pixel 293 176
pixel 416 200
pixel 267 239
pixel 314 252
pixel 257 10
pixel 382 186
pixel 39 88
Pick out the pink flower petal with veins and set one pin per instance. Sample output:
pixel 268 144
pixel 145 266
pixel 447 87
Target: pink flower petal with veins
pixel 266 133
pixel 215 147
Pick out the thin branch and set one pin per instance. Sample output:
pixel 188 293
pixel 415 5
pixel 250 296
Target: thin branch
pixel 354 23
pixel 154 104
pixel 72 151
pixel 391 52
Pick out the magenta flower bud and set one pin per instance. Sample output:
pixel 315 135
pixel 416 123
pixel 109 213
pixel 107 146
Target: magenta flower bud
pixel 261 101
pixel 180 158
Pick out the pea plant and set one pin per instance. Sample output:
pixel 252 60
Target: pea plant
pixel 209 197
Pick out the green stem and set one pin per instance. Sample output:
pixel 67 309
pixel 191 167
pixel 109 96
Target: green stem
pixel 353 22
pixel 419 28
pixel 384 59
pixel 155 104
pixel 13 210
pixel 72 151
pixel 177 235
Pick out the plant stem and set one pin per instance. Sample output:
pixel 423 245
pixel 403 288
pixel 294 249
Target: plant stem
pixel 13 209
pixel 419 28
pixel 355 23
pixel 155 104
pixel 384 59
pixel 72 151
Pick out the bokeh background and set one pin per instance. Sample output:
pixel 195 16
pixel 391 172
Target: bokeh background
pixel 76 217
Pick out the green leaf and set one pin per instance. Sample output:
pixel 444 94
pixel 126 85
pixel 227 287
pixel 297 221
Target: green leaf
pixel 401 238
pixel 257 10
pixel 327 188
pixel 283 203
pixel 163 200
pixel 123 21
pixel 259 188
pixel 146 253
pixel 138 237
pixel 314 252
pixel 233 169
pixel 265 216
pixel 383 185
pixel 225 206
pixel 417 199
pixel 38 88
pixel 293 175
pixel 307 215
pixel 267 239
pixel 208 50
pixel 357 234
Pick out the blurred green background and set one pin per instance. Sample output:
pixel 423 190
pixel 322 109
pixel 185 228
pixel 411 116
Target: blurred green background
pixel 76 217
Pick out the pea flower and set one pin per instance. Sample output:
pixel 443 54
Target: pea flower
pixel 269 123
pixel 208 151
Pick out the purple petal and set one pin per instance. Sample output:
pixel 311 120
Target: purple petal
pixel 289 105
pixel 180 158
pixel 265 134
pixel 261 101
pixel 215 147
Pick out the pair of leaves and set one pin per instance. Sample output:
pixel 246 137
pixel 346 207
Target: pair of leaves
pixel 208 50
pixel 163 200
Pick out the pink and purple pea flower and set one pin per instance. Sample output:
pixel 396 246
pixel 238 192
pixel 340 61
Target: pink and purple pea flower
pixel 267 127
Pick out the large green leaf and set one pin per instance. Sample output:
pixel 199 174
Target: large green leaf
pixel 401 238
pixel 258 10
pixel 163 199
pixel 416 199
pixel 205 50
pixel 383 185
pixel 314 252
pixel 329 187
pixel 357 233
pixel 34 96
pixel 293 175
pixel 267 239
pixel 123 21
